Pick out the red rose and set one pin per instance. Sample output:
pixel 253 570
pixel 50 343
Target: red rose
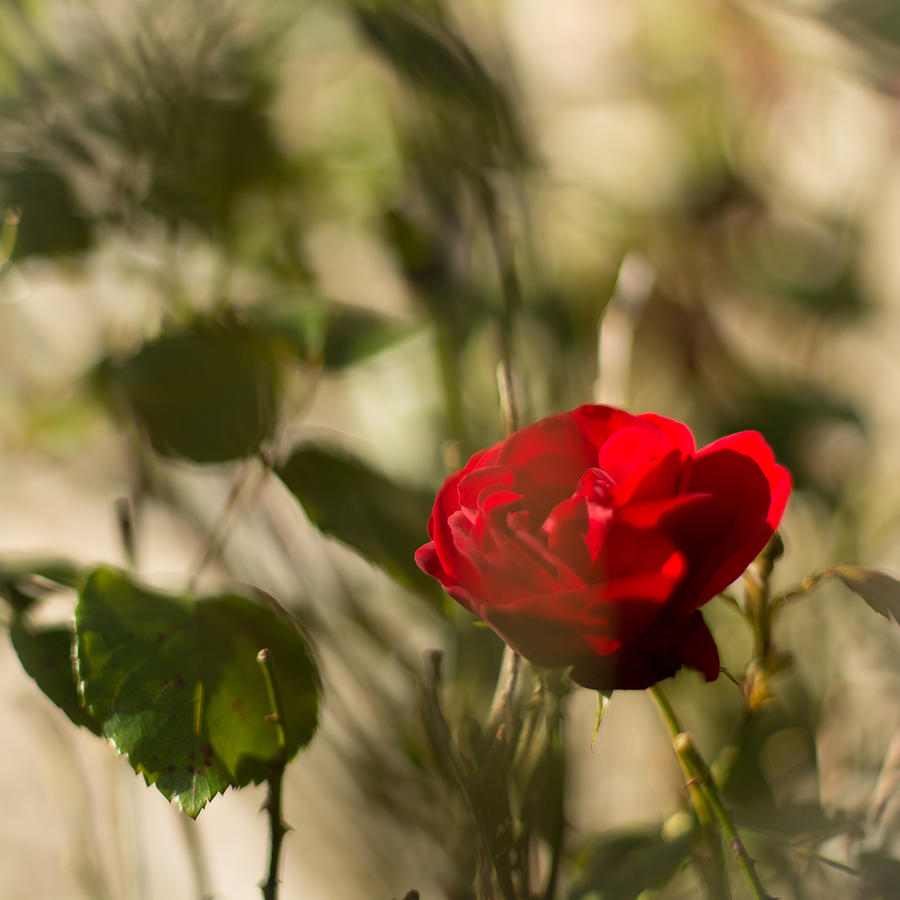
pixel 592 538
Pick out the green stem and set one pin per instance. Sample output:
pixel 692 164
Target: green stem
pixel 666 712
pixel 264 658
pixel 710 862
pixel 757 584
pixel 700 779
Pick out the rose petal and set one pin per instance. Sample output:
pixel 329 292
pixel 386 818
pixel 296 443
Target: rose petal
pixel 658 478
pixel 671 644
pixel 599 423
pixel 477 481
pixel 545 643
pixel 679 434
pixel 630 449
pixel 741 473
pixel 428 561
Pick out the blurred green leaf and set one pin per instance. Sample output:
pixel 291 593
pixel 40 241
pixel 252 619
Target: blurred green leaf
pixel 421 257
pixel 881 875
pixel 354 334
pixel 880 592
pixel 208 394
pixel 620 866
pixel 873 22
pixel 51 223
pixel 173 116
pixel 361 507
pixel 176 684
pixel 432 59
pixel 334 335
pixel 46 655
pixel 24 581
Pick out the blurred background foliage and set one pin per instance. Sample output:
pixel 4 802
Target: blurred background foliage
pixel 299 236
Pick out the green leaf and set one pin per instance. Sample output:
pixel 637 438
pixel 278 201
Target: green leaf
pixel 177 687
pixel 345 498
pixel 208 394
pixel 46 655
pixel 880 592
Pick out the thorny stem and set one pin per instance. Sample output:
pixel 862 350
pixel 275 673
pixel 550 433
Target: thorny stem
pixel 277 830
pixel 277 827
pixel 700 779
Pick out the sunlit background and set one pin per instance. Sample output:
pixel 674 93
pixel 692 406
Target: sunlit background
pixel 391 196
